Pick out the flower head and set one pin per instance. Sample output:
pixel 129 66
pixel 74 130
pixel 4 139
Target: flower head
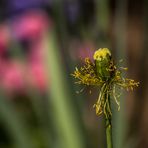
pixel 101 54
pixel 103 72
pixel 104 63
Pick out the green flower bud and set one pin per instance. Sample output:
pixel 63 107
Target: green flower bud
pixel 103 61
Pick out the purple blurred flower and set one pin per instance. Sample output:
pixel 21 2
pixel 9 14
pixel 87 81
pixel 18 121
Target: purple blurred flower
pixel 72 11
pixel 15 6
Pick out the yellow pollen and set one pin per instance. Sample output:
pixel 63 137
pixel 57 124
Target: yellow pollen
pixel 101 53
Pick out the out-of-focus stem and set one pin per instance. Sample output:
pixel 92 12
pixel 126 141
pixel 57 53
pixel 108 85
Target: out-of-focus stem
pixel 118 120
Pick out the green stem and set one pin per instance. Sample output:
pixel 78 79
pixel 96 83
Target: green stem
pixel 109 133
pixel 108 123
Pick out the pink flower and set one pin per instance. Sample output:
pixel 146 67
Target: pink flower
pixel 4 37
pixel 38 76
pixel 37 52
pixel 12 78
pixel 81 50
pixel 31 24
pixel 86 50
pixel 17 76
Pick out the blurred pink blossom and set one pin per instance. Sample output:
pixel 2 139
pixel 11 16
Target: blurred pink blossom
pixel 4 37
pixel 38 76
pixel 37 52
pixel 81 50
pixel 86 50
pixel 15 75
pixel 12 78
pixel 31 24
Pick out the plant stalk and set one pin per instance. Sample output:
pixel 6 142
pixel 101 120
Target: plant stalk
pixel 109 133
pixel 109 124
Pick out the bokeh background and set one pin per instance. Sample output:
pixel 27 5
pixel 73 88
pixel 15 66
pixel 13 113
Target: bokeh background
pixel 41 42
